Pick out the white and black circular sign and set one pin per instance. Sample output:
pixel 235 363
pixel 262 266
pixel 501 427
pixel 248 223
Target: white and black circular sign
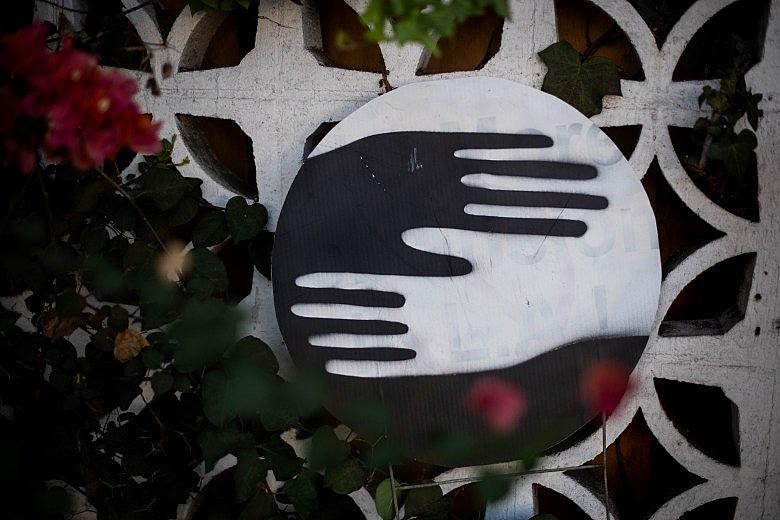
pixel 457 229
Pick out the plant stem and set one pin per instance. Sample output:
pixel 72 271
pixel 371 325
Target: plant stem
pixel 137 208
pixel 15 200
pixel 46 204
pixel 598 42
pixel 707 143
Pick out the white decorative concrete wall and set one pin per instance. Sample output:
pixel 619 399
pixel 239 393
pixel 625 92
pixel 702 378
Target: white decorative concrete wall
pixel 279 95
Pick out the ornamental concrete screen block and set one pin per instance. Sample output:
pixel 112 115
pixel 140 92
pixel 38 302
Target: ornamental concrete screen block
pixel 279 94
pixel 459 229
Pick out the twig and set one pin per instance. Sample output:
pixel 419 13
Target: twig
pixel 604 460
pixel 394 489
pixel 86 11
pixel 261 17
pixel 45 193
pixel 12 206
pixel 466 480
pixel 137 208
pixel 598 42
pixel 64 8
pixel 707 143
pixel 386 82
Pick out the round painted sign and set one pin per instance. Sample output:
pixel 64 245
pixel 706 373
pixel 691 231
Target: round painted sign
pixel 453 230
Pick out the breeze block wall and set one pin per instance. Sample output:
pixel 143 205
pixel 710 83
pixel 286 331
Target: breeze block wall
pixel 699 437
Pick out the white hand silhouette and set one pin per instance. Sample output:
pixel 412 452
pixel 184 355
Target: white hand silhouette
pixel 526 294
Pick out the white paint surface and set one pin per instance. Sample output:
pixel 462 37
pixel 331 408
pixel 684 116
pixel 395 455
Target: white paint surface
pixel 526 294
pixel 279 95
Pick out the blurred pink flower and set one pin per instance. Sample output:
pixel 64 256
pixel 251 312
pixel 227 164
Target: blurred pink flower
pixel 89 113
pixel 24 51
pixel 500 404
pixel 603 385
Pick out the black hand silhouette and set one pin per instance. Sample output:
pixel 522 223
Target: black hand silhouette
pixel 369 192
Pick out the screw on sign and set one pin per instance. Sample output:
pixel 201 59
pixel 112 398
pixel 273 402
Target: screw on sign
pixel 454 230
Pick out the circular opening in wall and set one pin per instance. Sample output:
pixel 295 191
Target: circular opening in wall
pixel 222 149
pixel 642 475
pixel 712 50
pixel 334 33
pixel 714 301
pixel 475 42
pixel 594 33
pixel 680 230
pixel 109 33
pixel 220 39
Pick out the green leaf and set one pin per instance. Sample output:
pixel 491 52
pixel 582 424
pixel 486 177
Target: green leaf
pixel 492 487
pixel 160 301
pixel 58 258
pixel 278 410
pixel 383 500
pixel 135 368
pixel 581 82
pixel 244 221
pixel 93 240
pixel 123 216
pixel 261 507
pixel 260 250
pixel 8 318
pixel 216 402
pixel 207 274
pixel 210 230
pixel 88 194
pixel 162 382
pixel 345 478
pixel 239 392
pixel 281 458
pixel 735 152
pixel 152 358
pixel 423 22
pixel 139 256
pixel 184 211
pixel 118 318
pixel 215 443
pixel 326 449
pixel 126 394
pixel 165 186
pixel 303 495
pixel 182 383
pixel 69 303
pixel 203 334
pixel 254 351
pixel 250 470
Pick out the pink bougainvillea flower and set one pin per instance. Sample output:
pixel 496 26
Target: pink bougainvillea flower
pixel 500 404
pixel 89 113
pixel 603 385
pixel 24 52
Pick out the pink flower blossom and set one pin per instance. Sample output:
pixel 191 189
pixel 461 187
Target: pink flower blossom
pixel 500 404
pixel 89 113
pixel 603 385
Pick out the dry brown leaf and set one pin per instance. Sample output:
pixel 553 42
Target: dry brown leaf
pixel 128 344
pixel 55 327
